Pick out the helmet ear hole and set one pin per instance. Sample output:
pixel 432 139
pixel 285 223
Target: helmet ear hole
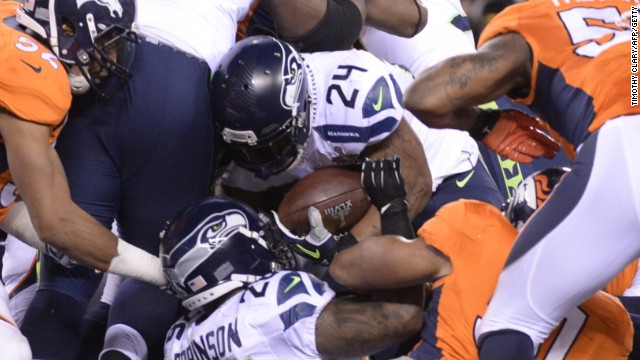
pixel 67 27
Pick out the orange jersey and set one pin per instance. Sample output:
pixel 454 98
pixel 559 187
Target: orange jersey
pixel 33 87
pixel 477 238
pixel 581 67
pixel 243 25
pixel 623 280
pixel 33 84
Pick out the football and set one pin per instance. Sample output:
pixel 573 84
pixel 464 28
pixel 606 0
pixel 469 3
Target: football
pixel 336 192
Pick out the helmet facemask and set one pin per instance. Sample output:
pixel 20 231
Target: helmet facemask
pixel 93 39
pixel 104 65
pixel 273 155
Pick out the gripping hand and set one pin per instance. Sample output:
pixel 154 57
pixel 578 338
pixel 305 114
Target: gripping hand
pixel 519 137
pixel 382 181
pixel 318 246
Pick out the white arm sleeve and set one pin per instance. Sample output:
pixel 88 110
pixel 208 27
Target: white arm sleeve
pixel 18 223
pixel 136 263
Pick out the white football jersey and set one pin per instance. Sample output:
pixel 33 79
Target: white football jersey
pixel 204 29
pixel 356 101
pixel 448 151
pixel 275 318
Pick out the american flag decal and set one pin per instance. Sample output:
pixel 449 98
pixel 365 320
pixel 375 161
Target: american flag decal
pixel 197 283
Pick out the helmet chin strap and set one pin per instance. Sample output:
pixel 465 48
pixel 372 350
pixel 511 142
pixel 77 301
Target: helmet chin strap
pixel 79 84
pixel 53 25
pixel 208 296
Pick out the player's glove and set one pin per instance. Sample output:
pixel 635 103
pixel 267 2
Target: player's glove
pixel 515 135
pixel 60 257
pixel 382 181
pixel 318 246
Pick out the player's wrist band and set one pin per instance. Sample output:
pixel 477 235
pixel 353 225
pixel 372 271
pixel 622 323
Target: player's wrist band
pixel 485 120
pixel 345 241
pixel 134 262
pixel 397 223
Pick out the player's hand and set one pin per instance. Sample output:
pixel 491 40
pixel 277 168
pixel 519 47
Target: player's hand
pixel 382 181
pixel 60 257
pixel 318 246
pixel 520 138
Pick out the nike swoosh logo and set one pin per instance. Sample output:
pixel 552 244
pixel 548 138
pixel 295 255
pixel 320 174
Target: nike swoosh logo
pixel 294 282
pixel 313 254
pixel 378 105
pixel 36 69
pixel 463 182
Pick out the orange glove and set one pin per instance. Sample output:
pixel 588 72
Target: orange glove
pixel 519 137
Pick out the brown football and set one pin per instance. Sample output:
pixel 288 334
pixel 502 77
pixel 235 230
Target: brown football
pixel 336 192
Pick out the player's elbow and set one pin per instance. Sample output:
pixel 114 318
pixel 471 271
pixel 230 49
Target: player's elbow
pixel 420 103
pixel 51 230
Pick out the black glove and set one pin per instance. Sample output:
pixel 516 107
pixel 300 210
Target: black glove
pixel 382 181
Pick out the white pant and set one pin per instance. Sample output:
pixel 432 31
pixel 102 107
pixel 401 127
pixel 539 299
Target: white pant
pixel 13 345
pixel 584 234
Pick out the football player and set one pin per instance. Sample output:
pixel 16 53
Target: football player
pixel 462 251
pixel 327 25
pixel 453 156
pixel 569 61
pixel 36 206
pixel 128 151
pixel 281 114
pixel 218 259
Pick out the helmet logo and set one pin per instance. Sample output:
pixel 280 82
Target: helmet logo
pixel 222 226
pixel 292 77
pixel 114 6
pixel 543 188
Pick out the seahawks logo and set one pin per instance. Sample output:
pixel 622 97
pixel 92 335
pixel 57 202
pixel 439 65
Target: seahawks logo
pixel 221 226
pixel 292 74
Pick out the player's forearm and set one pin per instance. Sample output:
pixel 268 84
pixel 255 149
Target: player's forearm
pixel 444 95
pixel 384 262
pixel 82 238
pixel 77 234
pixel 92 244
pixel 352 329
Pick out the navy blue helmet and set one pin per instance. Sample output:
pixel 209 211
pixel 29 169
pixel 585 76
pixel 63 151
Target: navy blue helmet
pixel 260 104
pixel 95 35
pixel 214 246
pixel 532 193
